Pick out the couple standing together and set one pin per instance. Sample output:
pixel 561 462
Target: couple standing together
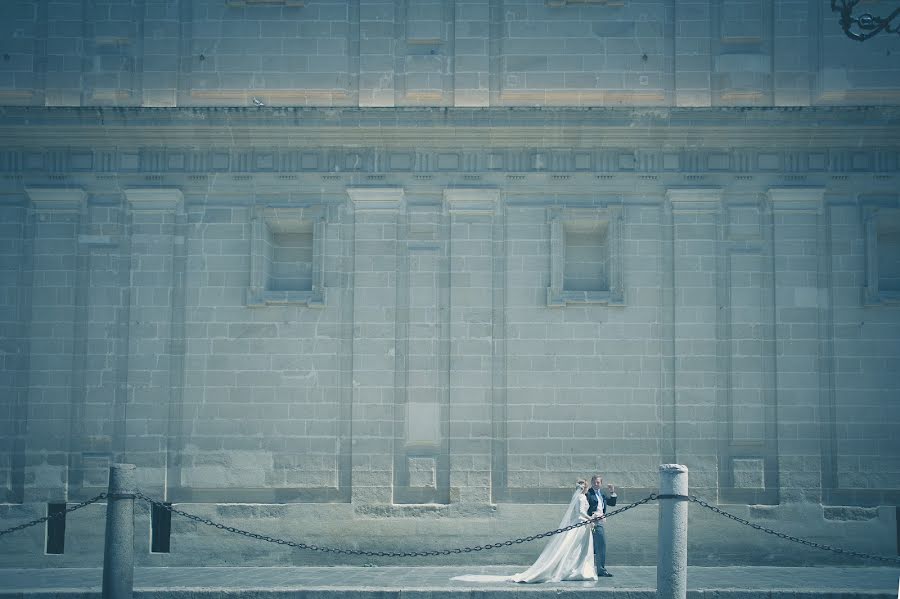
pixel 577 554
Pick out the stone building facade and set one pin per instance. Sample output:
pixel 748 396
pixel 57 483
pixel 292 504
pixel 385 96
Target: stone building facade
pixel 392 275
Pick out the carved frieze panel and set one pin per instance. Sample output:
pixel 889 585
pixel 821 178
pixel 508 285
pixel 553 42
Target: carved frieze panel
pixel 519 160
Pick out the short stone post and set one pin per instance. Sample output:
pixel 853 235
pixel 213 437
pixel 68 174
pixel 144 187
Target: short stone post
pixel 671 561
pixel 118 552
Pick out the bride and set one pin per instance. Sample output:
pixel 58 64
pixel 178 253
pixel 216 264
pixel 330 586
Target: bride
pixel 568 555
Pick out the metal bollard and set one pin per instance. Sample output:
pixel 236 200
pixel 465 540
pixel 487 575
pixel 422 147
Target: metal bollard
pixel 671 561
pixel 118 552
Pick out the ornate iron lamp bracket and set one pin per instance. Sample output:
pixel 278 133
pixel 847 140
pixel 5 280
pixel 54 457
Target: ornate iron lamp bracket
pixel 866 25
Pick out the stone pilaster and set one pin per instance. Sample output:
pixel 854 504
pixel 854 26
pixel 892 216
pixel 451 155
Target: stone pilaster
pixel 376 51
pixel 55 220
pixel 161 52
pixel 14 317
pixel 795 51
pixel 471 85
pixel 693 83
pixel 375 271
pixel 62 66
pixel 695 293
pixel 803 331
pixel 98 367
pixel 474 330
pixel 421 407
pixel 143 428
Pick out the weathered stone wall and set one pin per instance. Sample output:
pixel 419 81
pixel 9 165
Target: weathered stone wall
pixel 437 53
pixel 338 328
pixel 339 271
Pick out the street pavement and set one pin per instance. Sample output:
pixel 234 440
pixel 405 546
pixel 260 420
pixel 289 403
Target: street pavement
pixel 418 582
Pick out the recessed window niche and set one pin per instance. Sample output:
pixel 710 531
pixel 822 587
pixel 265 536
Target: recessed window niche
pixel 585 256
pixel 889 258
pixel 286 256
pixel 289 254
pixel 882 255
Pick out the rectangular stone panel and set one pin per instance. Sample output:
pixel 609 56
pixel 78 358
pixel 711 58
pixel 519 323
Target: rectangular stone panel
pixel 748 473
pixel 747 374
pixel 424 342
pixel 423 424
pixel 422 472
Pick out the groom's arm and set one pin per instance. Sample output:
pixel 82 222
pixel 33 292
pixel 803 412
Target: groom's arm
pixel 610 500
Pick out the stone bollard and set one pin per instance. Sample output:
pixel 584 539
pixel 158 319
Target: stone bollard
pixel 671 561
pixel 118 552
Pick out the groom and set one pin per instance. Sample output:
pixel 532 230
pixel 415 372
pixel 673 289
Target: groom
pixel 597 502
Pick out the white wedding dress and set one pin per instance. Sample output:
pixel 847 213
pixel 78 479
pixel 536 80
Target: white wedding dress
pixel 567 556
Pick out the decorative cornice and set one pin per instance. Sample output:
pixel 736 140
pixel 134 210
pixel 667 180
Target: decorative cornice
pixel 471 201
pixel 695 199
pixel 376 198
pixel 797 199
pixel 57 199
pixel 154 199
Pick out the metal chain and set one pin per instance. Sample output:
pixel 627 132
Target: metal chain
pixel 787 537
pixel 339 551
pixel 77 506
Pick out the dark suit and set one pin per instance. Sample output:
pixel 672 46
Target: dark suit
pixel 595 501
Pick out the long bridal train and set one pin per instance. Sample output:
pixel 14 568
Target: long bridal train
pixel 567 556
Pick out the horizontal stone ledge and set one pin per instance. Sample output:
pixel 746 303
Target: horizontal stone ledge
pixel 452 127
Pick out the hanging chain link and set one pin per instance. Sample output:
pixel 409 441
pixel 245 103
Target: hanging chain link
pixel 74 507
pixel 787 537
pixel 439 552
pixel 340 551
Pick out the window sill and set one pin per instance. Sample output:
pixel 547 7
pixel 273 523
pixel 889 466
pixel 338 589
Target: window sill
pixel 557 298
pixel 311 299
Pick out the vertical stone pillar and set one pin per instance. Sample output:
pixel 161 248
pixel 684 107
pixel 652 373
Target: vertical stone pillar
pixel 802 322
pixel 794 50
pixel 471 65
pixel 155 352
pixel 668 411
pixel 472 214
pixel 376 52
pixel 695 282
pixel 55 216
pixel 62 70
pixel 671 563
pixel 693 83
pixel 375 271
pixel 14 316
pixel 161 52
pixel 96 368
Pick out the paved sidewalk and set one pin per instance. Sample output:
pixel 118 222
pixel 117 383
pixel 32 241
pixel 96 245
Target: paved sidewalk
pixel 635 582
